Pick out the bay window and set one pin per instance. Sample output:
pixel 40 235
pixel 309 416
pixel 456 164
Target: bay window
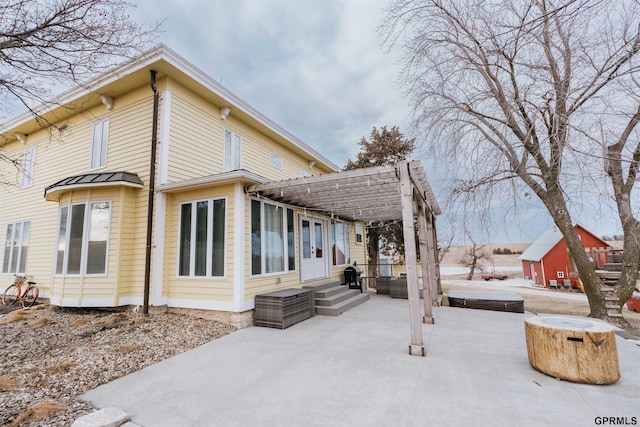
pixel 83 237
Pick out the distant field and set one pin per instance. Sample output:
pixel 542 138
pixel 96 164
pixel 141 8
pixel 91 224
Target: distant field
pixel 451 258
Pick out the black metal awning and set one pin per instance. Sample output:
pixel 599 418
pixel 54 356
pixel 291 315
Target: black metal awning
pixel 128 179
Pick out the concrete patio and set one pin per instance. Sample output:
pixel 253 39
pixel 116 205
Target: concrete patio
pixel 354 370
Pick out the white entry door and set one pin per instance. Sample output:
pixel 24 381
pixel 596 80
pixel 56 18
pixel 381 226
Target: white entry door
pixel 313 253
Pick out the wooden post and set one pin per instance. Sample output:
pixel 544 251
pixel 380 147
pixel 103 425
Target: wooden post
pixel 416 347
pixel 434 272
pixel 426 262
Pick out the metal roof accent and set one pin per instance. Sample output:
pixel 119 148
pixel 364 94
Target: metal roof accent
pixel 542 245
pixel 128 179
pixel 367 194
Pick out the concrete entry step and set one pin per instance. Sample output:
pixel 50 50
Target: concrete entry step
pixel 319 287
pixel 329 292
pixel 333 298
pixel 341 307
pixel 338 294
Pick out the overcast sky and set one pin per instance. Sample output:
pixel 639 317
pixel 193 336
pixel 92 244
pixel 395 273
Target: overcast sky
pixel 317 68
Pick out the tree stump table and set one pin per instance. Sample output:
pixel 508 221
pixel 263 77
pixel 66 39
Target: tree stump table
pixel 578 350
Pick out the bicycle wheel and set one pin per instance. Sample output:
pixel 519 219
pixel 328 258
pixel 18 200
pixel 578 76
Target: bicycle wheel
pixel 10 296
pixel 30 296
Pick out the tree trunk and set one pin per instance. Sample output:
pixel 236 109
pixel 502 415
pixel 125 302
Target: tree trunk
pixel 586 270
pixel 372 269
pixel 472 267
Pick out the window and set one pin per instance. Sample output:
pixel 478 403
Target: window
pixel 340 243
pixel 272 238
pixel 560 274
pixel 232 151
pixel 99 144
pixel 28 164
pixel 16 243
pixel 276 160
pixel 83 237
pixel 202 238
pixel 359 234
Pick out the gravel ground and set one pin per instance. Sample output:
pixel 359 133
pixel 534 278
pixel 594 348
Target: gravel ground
pixel 51 355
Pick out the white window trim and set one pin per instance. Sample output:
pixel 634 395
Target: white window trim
pixel 285 240
pixel 28 167
pixel 231 167
pixel 85 241
pixel 103 144
pixel 360 233
pixel 192 246
pixel 4 247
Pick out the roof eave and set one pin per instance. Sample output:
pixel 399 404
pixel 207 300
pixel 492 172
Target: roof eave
pixel 156 55
pixel 242 176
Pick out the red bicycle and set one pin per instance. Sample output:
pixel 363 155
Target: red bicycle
pixel 24 290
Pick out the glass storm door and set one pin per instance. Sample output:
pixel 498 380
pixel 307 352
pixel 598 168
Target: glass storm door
pixel 313 258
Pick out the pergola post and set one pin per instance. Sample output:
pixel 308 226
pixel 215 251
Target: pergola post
pixel 433 239
pixel 416 347
pixel 425 261
pixel 432 256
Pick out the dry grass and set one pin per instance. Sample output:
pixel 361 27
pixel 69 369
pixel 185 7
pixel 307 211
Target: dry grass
pixel 79 322
pixel 37 412
pixel 61 368
pixel 8 384
pixel 40 322
pixel 16 316
pixel 128 348
pixel 112 320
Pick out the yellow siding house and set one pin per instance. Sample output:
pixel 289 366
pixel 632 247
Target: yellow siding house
pixel 101 219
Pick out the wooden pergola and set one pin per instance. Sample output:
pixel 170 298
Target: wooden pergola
pixel 381 193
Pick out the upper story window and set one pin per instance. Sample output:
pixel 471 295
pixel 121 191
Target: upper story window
pixel 202 238
pixel 359 238
pixel 340 243
pixel 276 160
pixel 232 151
pixel 83 237
pixel 28 166
pixel 16 242
pixel 99 144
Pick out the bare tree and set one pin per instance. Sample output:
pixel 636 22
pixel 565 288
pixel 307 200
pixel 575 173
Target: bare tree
pixel 45 43
pixel 472 257
pixel 533 93
pixel 384 147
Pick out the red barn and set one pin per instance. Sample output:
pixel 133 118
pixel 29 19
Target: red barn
pixel 547 258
